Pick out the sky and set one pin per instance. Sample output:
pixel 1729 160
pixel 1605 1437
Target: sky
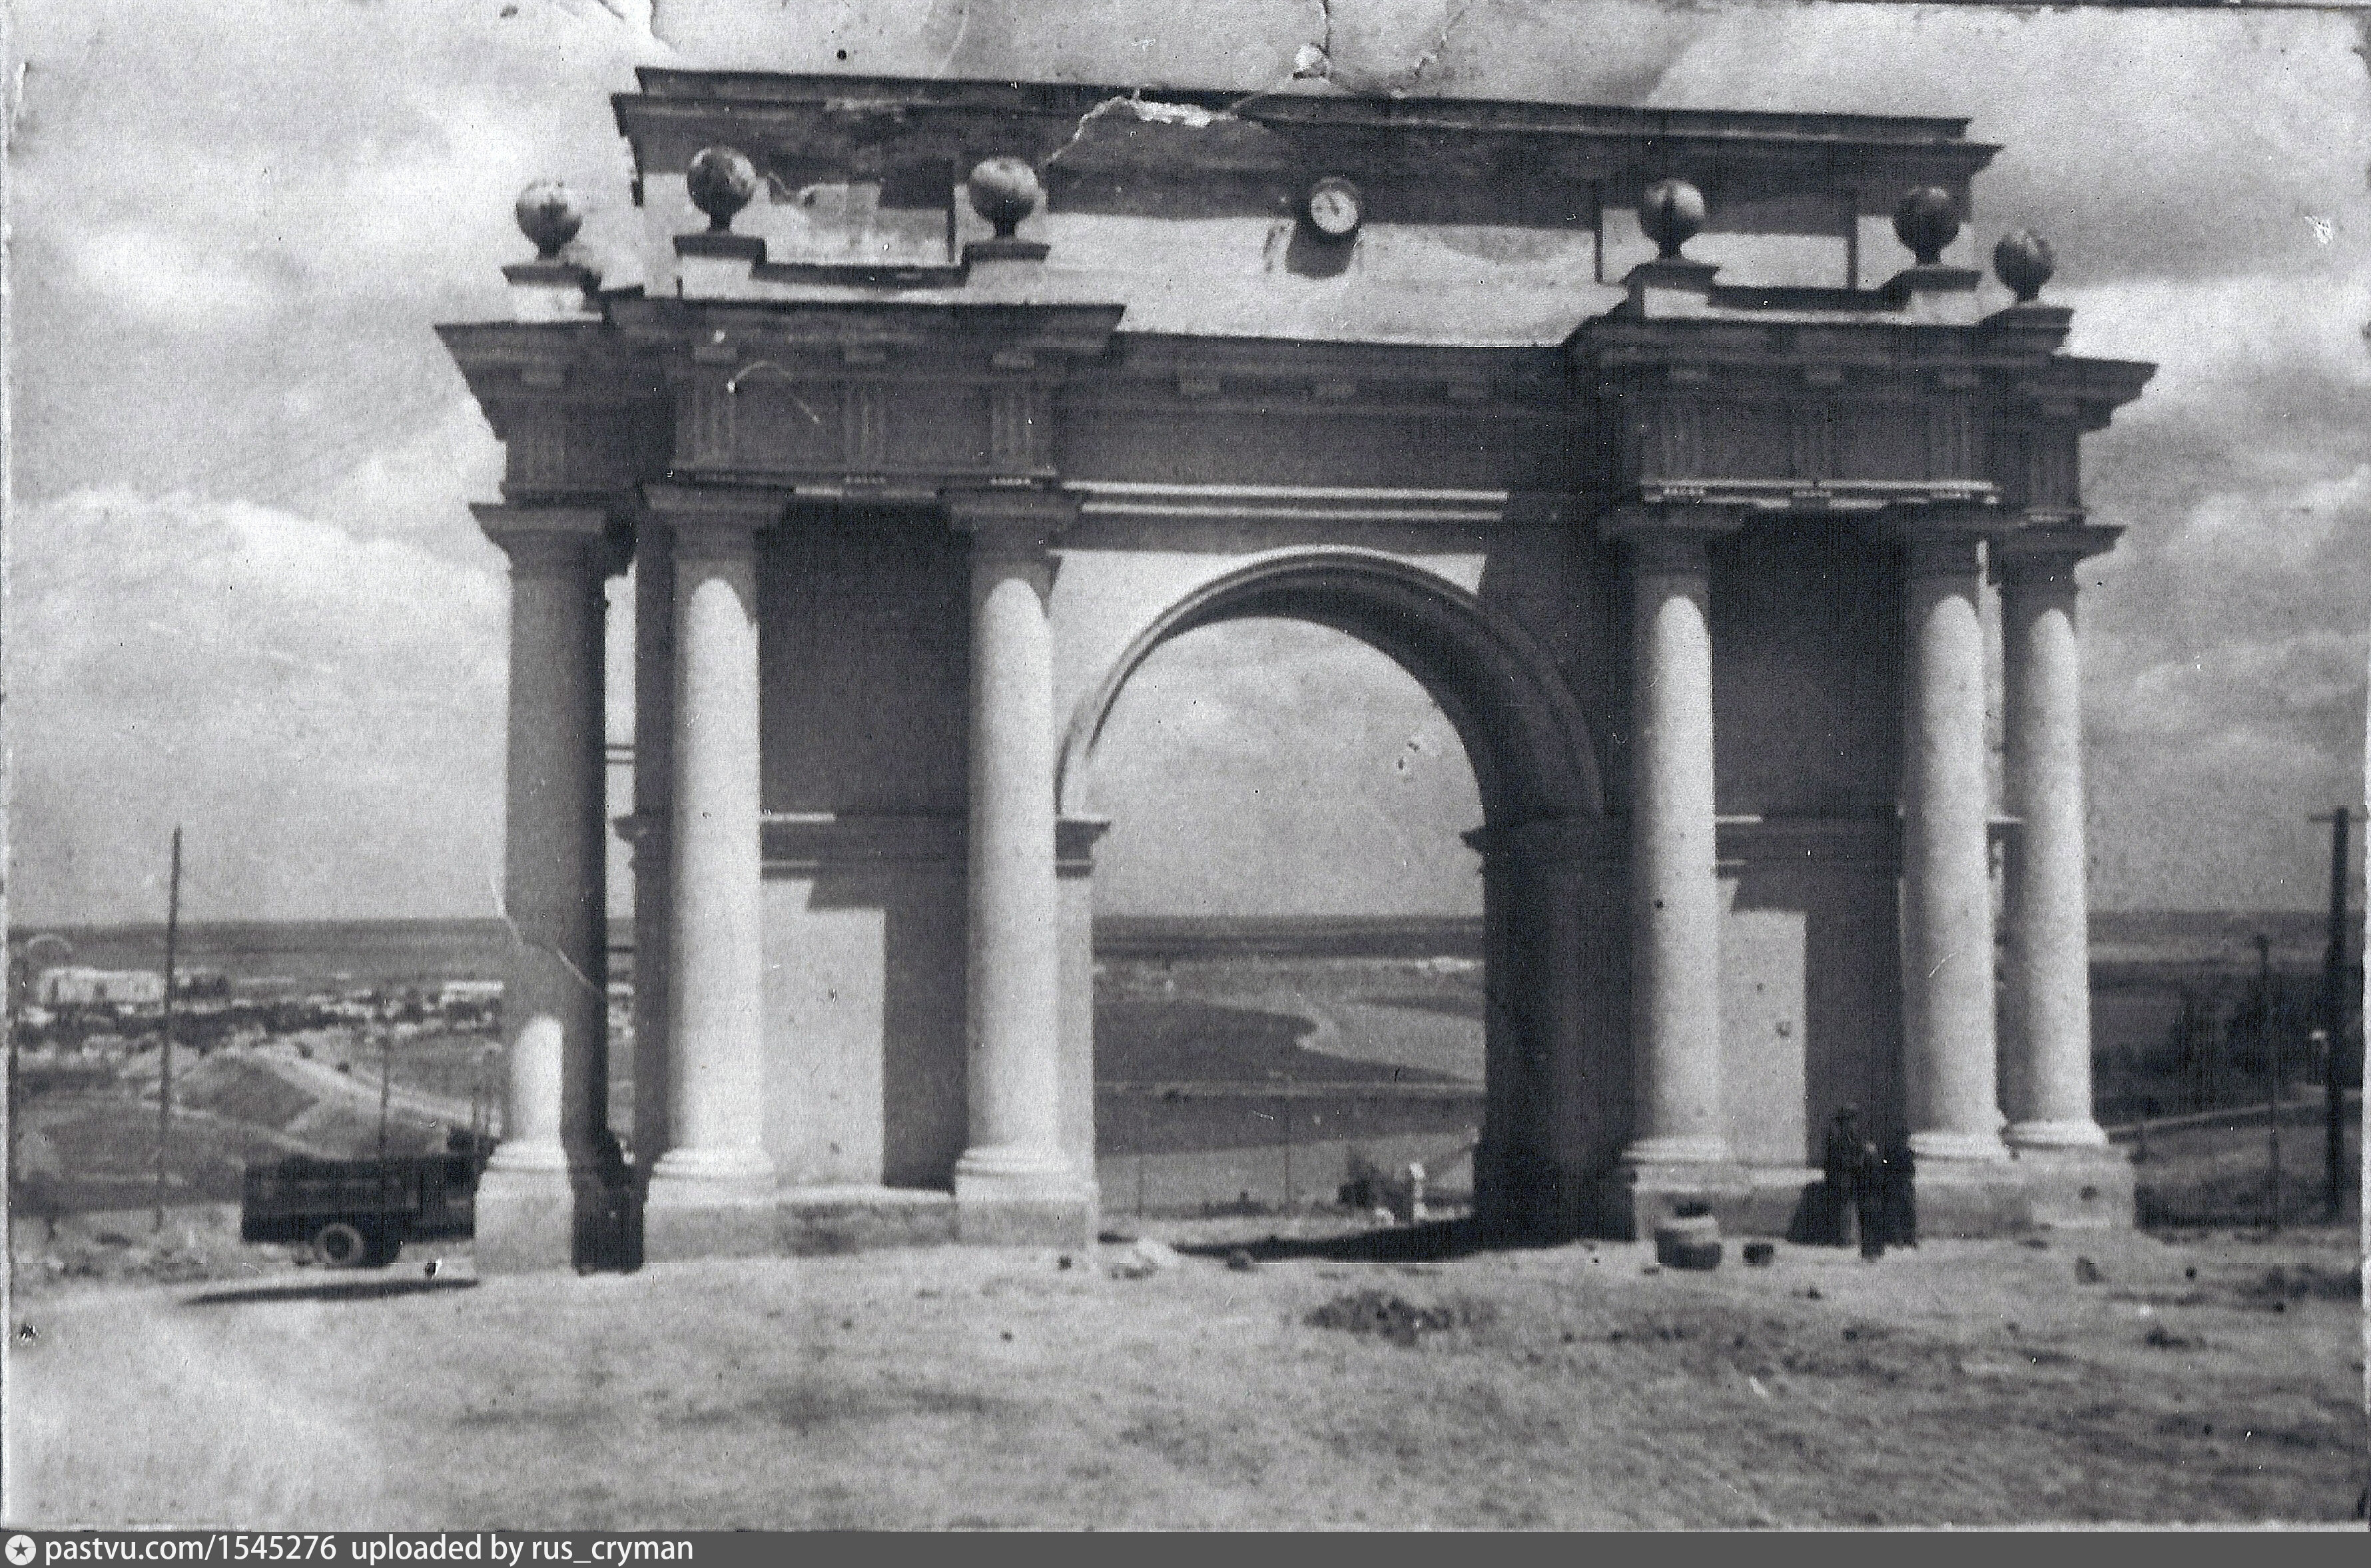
pixel 246 594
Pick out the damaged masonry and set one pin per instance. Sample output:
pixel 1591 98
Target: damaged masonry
pixel 1670 450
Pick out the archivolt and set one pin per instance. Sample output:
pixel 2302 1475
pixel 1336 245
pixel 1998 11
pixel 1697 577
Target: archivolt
pixel 1524 733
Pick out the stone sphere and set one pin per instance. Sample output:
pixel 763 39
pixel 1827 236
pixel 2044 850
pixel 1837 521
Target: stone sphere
pixel 1004 190
pixel 550 215
pixel 721 181
pixel 1927 220
pixel 1671 211
pixel 2024 261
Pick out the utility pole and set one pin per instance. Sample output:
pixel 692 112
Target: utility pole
pixel 386 1087
pixel 2268 1037
pixel 385 1083
pixel 2334 1022
pixel 165 1047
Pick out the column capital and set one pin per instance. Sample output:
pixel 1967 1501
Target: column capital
pixel 556 538
pixel 1941 555
pixel 1011 520
pixel 1941 536
pixel 716 516
pixel 2039 551
pixel 1670 526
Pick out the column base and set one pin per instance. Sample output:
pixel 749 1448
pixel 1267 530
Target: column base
pixel 512 1156
pixel 540 1217
pixel 1949 1147
pixel 2078 1133
pixel 1635 1197
pixel 2086 1188
pixel 732 1170
pixel 1685 1148
pixel 709 1202
pixel 1007 1197
pixel 795 1222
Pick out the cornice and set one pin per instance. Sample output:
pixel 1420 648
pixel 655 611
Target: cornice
pixel 716 507
pixel 2048 544
pixel 546 539
pixel 2087 390
pixel 757 327
pixel 848 117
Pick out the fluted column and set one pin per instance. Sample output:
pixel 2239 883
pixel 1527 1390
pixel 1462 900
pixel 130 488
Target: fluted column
pixel 1014 1002
pixel 2049 989
pixel 715 1027
pixel 1946 938
pixel 1674 893
pixel 555 999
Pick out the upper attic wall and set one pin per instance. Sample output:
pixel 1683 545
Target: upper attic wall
pixel 1457 191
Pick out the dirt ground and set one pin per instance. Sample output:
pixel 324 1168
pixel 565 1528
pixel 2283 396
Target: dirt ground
pixel 1344 1377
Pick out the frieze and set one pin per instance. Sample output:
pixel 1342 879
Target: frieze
pixel 864 426
pixel 570 449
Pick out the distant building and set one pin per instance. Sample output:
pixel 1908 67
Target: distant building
pixel 79 987
pixel 468 992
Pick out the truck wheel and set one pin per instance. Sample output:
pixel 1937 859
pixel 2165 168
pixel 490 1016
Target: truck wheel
pixel 340 1245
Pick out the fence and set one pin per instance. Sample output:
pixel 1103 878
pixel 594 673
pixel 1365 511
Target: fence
pixel 1261 1147
pixel 2217 1051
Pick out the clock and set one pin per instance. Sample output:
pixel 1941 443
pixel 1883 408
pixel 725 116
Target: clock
pixel 1334 207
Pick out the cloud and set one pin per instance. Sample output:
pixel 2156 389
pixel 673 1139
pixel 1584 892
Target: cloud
pixel 323 711
pixel 1282 768
pixel 316 185
pixel 2256 334
pixel 161 279
pixel 2149 144
pixel 418 488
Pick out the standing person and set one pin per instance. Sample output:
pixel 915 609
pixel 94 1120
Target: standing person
pixel 1871 1198
pixel 1899 1173
pixel 1841 1156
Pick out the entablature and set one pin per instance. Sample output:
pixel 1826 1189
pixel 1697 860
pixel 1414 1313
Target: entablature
pixel 580 415
pixel 1839 399
pixel 888 399
pixel 1184 375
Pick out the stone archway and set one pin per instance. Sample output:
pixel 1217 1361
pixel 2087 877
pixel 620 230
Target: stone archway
pixel 1557 1072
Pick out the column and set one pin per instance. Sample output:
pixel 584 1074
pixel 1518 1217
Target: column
pixel 2049 989
pixel 715 1027
pixel 1014 1002
pixel 1947 937
pixel 555 999
pixel 1674 894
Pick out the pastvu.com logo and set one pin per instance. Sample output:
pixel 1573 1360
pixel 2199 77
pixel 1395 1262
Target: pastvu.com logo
pixel 20 1550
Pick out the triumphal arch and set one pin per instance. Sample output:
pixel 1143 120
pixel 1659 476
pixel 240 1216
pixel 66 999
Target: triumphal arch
pixel 1677 453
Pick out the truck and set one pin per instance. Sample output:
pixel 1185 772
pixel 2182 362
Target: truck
pixel 359 1213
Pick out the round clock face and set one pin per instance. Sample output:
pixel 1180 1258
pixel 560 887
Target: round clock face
pixel 1333 207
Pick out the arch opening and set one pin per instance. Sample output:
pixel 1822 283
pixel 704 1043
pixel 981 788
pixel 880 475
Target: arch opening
pixel 1525 1075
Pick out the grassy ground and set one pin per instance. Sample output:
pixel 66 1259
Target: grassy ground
pixel 2100 1376
pixel 2209 1176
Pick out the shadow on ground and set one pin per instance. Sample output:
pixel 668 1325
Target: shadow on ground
pixel 1434 1241
pixel 344 1290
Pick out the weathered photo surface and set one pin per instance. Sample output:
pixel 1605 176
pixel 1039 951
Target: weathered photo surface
pixel 1409 763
